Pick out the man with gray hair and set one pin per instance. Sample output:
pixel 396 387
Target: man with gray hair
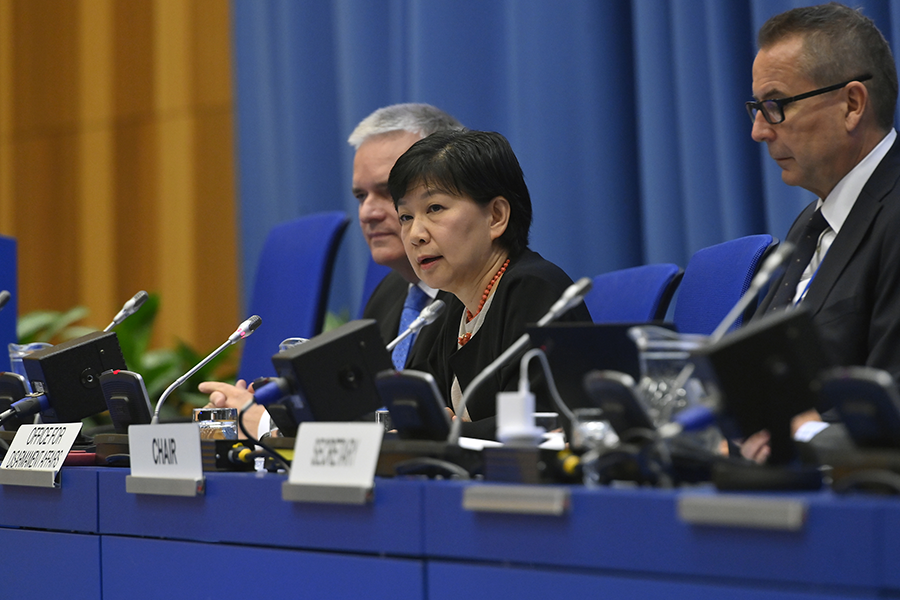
pixel 825 87
pixel 379 140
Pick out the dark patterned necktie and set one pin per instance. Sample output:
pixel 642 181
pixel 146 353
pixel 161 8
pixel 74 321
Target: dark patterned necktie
pixel 803 253
pixel 416 300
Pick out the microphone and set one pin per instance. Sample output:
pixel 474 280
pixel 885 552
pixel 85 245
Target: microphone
pixel 762 277
pixel 570 297
pixel 243 330
pixel 426 317
pixel 128 309
pixel 4 298
pixel 573 295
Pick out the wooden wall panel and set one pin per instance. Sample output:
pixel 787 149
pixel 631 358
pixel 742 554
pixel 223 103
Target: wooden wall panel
pixel 96 161
pixel 116 158
pixel 7 207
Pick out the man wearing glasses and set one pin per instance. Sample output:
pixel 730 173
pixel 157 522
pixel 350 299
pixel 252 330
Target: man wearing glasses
pixel 825 87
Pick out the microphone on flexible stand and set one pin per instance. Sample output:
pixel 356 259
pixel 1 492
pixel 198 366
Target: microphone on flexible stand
pixel 762 277
pixel 128 309
pixel 570 297
pixel 426 317
pixel 4 298
pixel 243 331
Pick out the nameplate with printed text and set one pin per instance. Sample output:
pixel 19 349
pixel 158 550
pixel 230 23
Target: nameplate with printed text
pixel 37 454
pixel 165 459
pixel 336 456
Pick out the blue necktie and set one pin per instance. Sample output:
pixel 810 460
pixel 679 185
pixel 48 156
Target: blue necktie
pixel 415 301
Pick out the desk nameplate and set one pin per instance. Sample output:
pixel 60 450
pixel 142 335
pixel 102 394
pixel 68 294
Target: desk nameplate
pixel 37 454
pixel 517 499
pixel 165 460
pixel 334 463
pixel 743 511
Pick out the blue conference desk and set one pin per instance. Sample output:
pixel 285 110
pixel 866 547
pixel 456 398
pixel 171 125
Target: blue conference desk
pixel 91 539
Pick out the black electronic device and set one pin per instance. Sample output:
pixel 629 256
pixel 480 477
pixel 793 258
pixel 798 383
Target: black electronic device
pixel 575 349
pixel 331 377
pixel 613 392
pixel 12 389
pixel 767 373
pixel 126 398
pixel 868 403
pixel 69 375
pixel 417 408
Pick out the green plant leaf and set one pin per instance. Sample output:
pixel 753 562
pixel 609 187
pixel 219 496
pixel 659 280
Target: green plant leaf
pixel 74 331
pixel 335 320
pixel 65 319
pixel 29 326
pixel 46 325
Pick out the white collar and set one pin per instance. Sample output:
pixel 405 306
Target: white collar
pixel 432 293
pixel 840 201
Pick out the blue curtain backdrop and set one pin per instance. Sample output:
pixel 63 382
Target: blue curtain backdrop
pixel 627 116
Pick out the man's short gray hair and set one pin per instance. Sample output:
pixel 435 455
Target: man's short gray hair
pixel 839 43
pixel 422 119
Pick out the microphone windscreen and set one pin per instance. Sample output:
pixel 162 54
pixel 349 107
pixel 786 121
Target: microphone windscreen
pixel 432 311
pixel 581 287
pixel 252 323
pixel 139 299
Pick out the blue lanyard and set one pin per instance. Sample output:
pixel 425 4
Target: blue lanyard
pixel 809 283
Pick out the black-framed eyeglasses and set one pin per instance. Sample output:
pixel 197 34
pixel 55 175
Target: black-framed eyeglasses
pixel 773 110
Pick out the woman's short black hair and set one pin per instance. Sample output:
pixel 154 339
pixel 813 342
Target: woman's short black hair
pixel 477 164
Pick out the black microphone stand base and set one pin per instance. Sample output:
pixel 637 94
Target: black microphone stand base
pixel 426 458
pixel 731 476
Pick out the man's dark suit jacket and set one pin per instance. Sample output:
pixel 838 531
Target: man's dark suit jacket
pixel 386 305
pixel 854 298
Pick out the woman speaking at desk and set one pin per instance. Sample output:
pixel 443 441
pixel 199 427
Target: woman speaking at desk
pixel 465 213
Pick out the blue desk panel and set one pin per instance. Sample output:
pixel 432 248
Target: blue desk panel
pixel 247 508
pixel 44 564
pixel 890 540
pixel 71 507
pixel 639 531
pixel 452 581
pixel 147 568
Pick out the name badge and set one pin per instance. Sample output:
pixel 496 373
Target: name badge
pixel 334 462
pixel 165 460
pixel 37 453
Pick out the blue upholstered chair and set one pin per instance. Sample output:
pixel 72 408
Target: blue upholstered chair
pixel 714 280
pixel 374 274
pixel 8 281
pixel 637 294
pixel 290 291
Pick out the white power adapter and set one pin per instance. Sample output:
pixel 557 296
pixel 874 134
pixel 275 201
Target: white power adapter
pixel 515 419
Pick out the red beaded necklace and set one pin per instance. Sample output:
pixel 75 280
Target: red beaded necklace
pixel 463 339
